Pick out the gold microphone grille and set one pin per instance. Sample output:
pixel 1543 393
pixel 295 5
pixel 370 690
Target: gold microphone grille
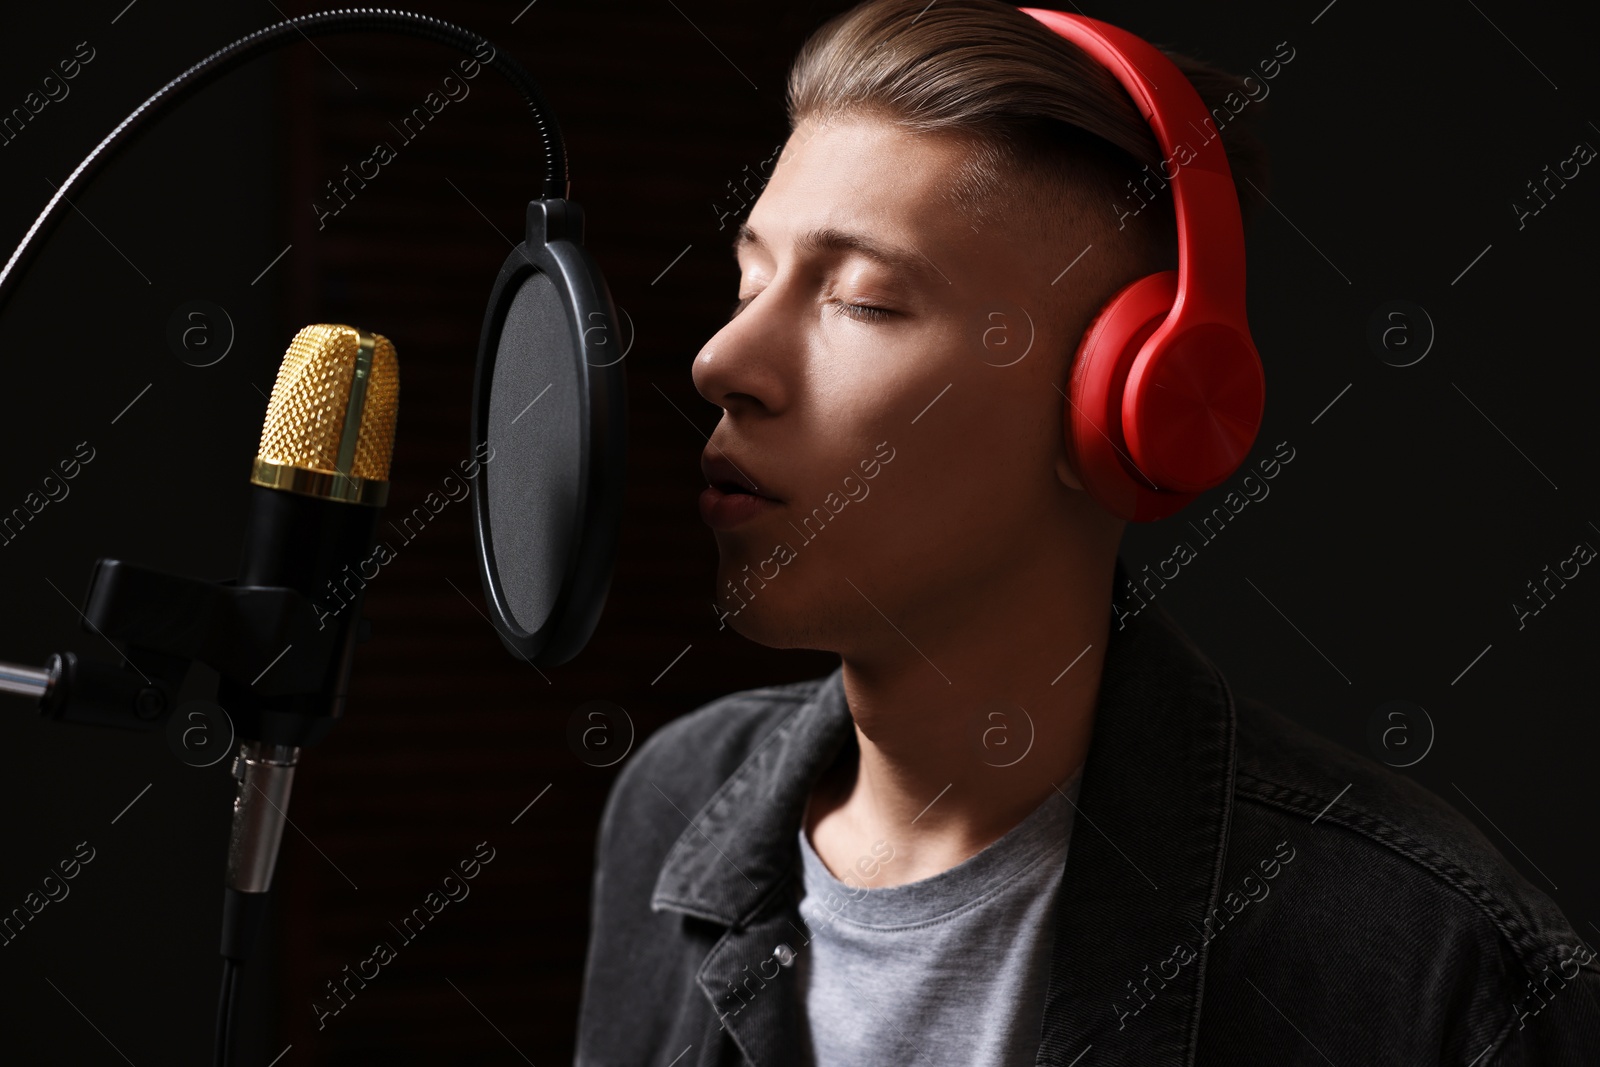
pixel 307 416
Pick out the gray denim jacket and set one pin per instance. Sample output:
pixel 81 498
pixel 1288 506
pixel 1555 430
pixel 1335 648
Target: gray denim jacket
pixel 1239 891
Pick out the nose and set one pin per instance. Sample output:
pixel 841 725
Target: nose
pixel 742 367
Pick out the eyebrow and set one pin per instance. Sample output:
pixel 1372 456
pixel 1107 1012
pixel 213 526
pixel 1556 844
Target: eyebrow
pixel 830 239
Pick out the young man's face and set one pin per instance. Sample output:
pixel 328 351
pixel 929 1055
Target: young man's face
pixel 916 453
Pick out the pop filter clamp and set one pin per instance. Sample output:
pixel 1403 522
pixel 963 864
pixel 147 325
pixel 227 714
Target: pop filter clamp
pixel 555 497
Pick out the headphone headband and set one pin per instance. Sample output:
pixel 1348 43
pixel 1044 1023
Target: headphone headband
pixel 1205 199
pixel 1167 389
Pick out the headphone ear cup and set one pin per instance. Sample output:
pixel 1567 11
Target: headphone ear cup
pixel 1093 425
pixel 1192 406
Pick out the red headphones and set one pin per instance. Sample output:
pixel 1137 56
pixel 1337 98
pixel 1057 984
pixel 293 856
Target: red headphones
pixel 1167 388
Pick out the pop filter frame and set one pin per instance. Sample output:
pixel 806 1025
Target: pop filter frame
pixel 567 586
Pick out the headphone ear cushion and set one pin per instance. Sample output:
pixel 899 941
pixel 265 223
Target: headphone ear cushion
pixel 1096 439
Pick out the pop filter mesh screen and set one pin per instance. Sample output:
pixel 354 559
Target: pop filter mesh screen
pixel 532 481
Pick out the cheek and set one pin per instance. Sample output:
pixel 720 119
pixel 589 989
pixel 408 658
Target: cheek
pixel 971 447
pixel 999 433
pixel 963 479
pixel 978 429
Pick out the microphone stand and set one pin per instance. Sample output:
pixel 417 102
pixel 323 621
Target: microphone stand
pixel 172 622
pixel 168 624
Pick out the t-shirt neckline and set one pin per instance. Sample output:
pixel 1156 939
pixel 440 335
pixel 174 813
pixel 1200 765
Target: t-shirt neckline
pixel 1041 835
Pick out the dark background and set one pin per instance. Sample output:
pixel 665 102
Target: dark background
pixel 1384 561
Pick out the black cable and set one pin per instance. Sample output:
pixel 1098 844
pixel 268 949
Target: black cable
pixel 225 1008
pixel 220 62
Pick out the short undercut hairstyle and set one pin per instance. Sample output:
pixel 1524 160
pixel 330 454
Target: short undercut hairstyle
pixel 1057 146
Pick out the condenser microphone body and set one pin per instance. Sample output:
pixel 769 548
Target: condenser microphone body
pixel 318 483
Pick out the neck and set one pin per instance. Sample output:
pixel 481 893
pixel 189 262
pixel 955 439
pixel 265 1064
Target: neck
pixel 958 742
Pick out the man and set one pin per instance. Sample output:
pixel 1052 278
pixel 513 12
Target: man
pixel 1026 820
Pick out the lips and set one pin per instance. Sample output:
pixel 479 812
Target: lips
pixel 735 494
pixel 732 476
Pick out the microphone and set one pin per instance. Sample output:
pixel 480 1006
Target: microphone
pixel 318 483
pixel 282 663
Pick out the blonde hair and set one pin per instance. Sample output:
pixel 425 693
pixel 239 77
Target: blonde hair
pixel 1035 109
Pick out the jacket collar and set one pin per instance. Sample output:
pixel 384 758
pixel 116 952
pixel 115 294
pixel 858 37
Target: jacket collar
pixel 1142 874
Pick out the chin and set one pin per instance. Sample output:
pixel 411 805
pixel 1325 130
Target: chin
pixel 768 621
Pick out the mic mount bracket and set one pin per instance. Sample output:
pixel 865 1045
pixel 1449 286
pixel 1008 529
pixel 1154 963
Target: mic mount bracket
pixel 241 631
pixel 267 644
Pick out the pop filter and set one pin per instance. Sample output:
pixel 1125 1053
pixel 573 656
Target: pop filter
pixel 549 421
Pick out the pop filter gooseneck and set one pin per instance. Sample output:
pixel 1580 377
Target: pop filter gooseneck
pixel 223 60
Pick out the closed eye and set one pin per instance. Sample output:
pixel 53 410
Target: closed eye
pixel 861 312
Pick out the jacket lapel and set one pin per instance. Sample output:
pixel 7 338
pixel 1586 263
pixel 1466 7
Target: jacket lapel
pixel 734 865
pixel 1144 867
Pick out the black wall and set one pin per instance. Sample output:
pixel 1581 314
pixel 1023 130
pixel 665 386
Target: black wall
pixel 1385 558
